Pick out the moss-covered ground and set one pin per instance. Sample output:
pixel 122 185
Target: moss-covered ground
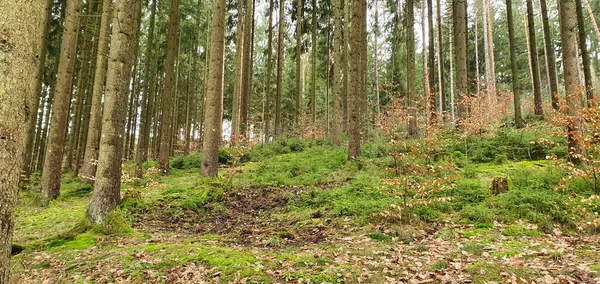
pixel 298 211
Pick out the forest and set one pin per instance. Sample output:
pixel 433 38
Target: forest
pixel 299 141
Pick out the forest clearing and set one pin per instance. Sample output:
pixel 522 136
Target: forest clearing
pixel 291 141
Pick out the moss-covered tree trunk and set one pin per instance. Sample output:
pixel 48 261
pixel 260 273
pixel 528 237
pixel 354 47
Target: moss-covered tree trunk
pixel 170 89
pixel 107 191
pixel 585 57
pixel 51 174
pixel 23 23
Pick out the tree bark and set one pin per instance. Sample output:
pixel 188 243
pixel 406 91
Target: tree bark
pixel 141 154
pixel 550 57
pixel 459 14
pixel 313 92
pixel 514 66
pixel 37 95
pixel 170 88
pixel 239 73
pixel 51 175
pixel 280 65
pixel 568 17
pixel 431 65
pixel 411 96
pixel 214 97
pixel 23 23
pixel 299 20
pixel 440 56
pixel 358 38
pixel 268 87
pixel 537 95
pixel 585 57
pixel 338 74
pixel 106 196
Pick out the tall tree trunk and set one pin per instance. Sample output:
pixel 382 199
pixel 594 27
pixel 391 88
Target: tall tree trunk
pixel 37 95
pixel 299 20
pixel 268 85
pixel 377 34
pixel 214 97
pixel 358 38
pixel 514 66
pixel 170 88
pixel 338 72
pixel 107 192
pixel 537 95
pixel 431 65
pixel 550 57
pixel 238 88
pixel 490 68
pixel 568 17
pixel 280 65
pixel 247 78
pixel 585 57
pixel 142 147
pixel 313 92
pixel 51 175
pixel 477 71
pixel 346 60
pixel 592 19
pixel 411 96
pixel 23 24
pixel 195 92
pixel 440 58
pixel 452 72
pixel 459 8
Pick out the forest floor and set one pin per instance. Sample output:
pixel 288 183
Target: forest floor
pixel 298 212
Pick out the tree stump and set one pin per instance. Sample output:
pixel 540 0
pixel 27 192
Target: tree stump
pixel 500 185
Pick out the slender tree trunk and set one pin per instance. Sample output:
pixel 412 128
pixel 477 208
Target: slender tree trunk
pixel 452 73
pixel 37 95
pixel 537 95
pixel 346 60
pixel 440 58
pixel 214 96
pixel 431 65
pixel 142 147
pixel 299 20
pixel 338 74
pixel 313 92
pixel 268 85
pixel 107 193
pixel 376 59
pixel 550 58
pixel 23 24
pixel 461 57
pixel 477 71
pixel 280 65
pixel 358 38
pixel 170 88
pixel 490 68
pixel 568 17
pixel 247 78
pixel 585 57
pixel 51 175
pixel 411 96
pixel 239 73
pixel 514 66
pixel 592 18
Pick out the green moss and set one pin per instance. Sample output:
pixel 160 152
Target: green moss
pixel 380 237
pixel 114 224
pixel 484 272
pixel 517 230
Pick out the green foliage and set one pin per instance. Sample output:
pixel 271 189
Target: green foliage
pixel 186 162
pixel 517 230
pixel 380 237
pixel 500 159
pixel 193 194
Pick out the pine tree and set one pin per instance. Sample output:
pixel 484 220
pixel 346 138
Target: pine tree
pixel 537 96
pixel 107 191
pixel 514 66
pixel 23 24
pixel 51 174
pixel 214 97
